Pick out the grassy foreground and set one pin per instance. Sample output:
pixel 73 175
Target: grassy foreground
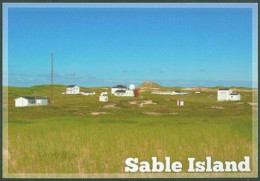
pixel 67 138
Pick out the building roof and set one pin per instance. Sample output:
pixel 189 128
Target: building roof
pixel 120 91
pixel 33 97
pixel 224 89
pixel 71 85
pixel 119 86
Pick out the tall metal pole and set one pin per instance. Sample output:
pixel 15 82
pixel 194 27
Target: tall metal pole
pixel 51 97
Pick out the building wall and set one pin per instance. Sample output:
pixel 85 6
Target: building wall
pixel 234 97
pixel 72 90
pixel 128 93
pixel 113 89
pixel 41 101
pixel 103 98
pixel 223 95
pixel 180 103
pixel 21 102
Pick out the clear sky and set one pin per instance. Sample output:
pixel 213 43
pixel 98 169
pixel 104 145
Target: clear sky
pixel 109 46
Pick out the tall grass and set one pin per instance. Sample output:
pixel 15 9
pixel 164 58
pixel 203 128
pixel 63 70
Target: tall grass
pixel 66 138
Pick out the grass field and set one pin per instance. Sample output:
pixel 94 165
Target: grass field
pixel 67 138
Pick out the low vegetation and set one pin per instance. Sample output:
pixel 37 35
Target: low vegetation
pixel 70 137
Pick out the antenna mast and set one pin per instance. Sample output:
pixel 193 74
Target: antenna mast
pixel 51 96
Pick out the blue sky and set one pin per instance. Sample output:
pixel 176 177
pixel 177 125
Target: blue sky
pixel 109 46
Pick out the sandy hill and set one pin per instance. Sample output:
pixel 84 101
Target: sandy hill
pixel 149 86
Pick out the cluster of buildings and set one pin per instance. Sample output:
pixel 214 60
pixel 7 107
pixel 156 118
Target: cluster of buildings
pixel 223 94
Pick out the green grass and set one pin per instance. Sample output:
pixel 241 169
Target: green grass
pixel 66 138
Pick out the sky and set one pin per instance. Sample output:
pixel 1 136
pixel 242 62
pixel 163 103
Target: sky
pixel 109 46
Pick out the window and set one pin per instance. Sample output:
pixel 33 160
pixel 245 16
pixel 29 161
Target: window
pixel 31 101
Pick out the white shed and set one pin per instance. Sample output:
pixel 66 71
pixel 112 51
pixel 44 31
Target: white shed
pixel 72 89
pixel 31 101
pixel 103 98
pixel 180 102
pixel 234 96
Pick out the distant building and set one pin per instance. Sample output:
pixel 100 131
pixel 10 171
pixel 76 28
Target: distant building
pixel 72 89
pixel 197 92
pixel 118 87
pixel 169 92
pixel 226 94
pixel 234 96
pixel 88 93
pixel 31 101
pixel 180 102
pixel 103 98
pixel 125 93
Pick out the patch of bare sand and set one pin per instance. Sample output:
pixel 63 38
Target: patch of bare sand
pixel 144 102
pixel 152 113
pixel 253 103
pixel 148 102
pixel 97 113
pixel 154 88
pixel 174 113
pixel 217 107
pixel 79 113
pixel 132 102
pixel 110 106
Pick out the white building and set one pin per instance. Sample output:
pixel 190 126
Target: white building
pixel 31 101
pixel 226 94
pixel 103 98
pixel 118 87
pixel 72 89
pixel 234 96
pixel 180 102
pixel 88 93
pixel 169 92
pixel 125 93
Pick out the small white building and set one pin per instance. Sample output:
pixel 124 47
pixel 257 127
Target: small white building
pixel 234 96
pixel 118 87
pixel 226 94
pixel 169 92
pixel 180 102
pixel 88 93
pixel 31 101
pixel 103 98
pixel 197 92
pixel 72 89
